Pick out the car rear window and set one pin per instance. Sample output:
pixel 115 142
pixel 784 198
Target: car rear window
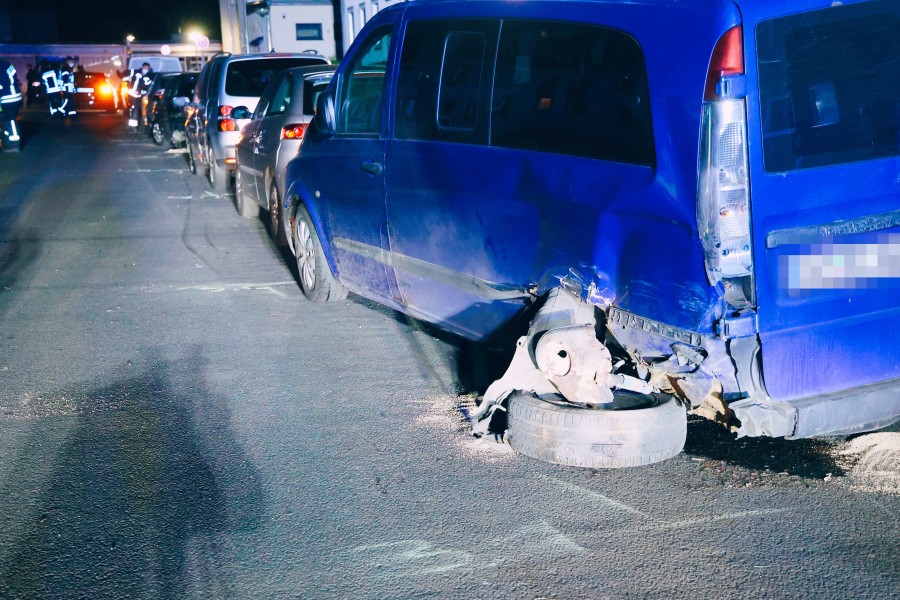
pixel 311 91
pixel 829 83
pixel 250 77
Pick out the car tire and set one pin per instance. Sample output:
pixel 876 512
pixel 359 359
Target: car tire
pixel 215 174
pixel 316 280
pixel 599 438
pixel 276 230
pixel 192 160
pixel 157 133
pixel 247 208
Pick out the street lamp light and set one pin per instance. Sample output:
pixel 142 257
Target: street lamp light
pixel 200 41
pixel 128 39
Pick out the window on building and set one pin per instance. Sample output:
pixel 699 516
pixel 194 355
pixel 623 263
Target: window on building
pixel 351 25
pixel 362 15
pixel 309 31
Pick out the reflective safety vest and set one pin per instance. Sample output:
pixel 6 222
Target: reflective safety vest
pixel 67 80
pixel 134 90
pixel 9 86
pixel 51 82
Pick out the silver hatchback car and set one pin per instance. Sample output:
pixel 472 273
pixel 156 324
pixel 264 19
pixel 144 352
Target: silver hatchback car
pixel 228 81
pixel 272 138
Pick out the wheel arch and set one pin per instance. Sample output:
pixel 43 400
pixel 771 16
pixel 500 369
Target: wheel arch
pixel 296 195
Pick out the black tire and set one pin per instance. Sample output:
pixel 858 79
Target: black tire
pixel 598 438
pixel 157 133
pixel 276 229
pixel 215 174
pixel 192 160
pixel 247 208
pixel 316 280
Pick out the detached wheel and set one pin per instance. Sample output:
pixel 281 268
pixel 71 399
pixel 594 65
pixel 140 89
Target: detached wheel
pixel 276 229
pixel 598 438
pixel 248 208
pixel 316 280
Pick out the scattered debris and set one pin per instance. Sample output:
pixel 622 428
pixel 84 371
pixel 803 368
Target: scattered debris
pixel 872 462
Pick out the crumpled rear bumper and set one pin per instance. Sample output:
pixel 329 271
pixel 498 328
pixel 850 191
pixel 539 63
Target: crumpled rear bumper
pixel 841 413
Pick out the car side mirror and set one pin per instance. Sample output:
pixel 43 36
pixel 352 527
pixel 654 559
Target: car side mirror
pixel 241 112
pixel 324 119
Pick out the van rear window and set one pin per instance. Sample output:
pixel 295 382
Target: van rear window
pixel 829 84
pixel 250 77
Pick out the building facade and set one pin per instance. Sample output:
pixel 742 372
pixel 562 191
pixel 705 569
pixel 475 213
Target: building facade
pixel 250 26
pixel 356 13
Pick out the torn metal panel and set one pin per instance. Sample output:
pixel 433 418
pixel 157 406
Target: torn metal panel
pixel 763 416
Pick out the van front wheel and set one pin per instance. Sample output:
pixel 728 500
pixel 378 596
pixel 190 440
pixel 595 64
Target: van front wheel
pixel 316 280
pixel 588 437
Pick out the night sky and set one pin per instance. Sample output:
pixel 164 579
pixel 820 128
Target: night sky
pixel 108 21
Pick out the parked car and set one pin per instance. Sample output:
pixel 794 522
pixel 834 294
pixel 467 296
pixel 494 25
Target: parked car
pixel 149 100
pixel 227 81
pixel 95 91
pixel 712 185
pixel 272 138
pixel 170 112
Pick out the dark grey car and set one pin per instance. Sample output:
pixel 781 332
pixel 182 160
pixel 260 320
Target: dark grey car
pixel 227 81
pixel 272 138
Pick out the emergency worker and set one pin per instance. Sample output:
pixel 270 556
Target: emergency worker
pixel 54 90
pixel 139 87
pixel 31 90
pixel 10 101
pixel 67 83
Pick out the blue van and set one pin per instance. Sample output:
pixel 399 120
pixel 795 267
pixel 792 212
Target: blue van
pixel 710 188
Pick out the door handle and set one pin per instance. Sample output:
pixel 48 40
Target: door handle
pixel 372 167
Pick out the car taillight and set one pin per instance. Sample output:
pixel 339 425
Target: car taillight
pixel 723 190
pixel 293 132
pixel 226 123
pixel 105 89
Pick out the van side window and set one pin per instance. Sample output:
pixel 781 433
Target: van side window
pixel 362 87
pixel 572 89
pixel 444 81
pixel 461 75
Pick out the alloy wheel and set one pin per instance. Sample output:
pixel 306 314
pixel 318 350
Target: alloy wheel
pixel 306 255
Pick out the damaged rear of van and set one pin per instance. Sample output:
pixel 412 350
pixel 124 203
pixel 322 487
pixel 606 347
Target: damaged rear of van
pixel 702 197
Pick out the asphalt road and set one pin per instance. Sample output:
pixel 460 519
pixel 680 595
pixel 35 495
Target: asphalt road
pixel 177 421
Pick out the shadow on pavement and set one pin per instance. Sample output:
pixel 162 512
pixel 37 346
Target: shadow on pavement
pixel 146 483
pixel 809 458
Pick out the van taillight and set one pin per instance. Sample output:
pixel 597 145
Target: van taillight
pixel 292 132
pixel 226 123
pixel 727 59
pixel 723 190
